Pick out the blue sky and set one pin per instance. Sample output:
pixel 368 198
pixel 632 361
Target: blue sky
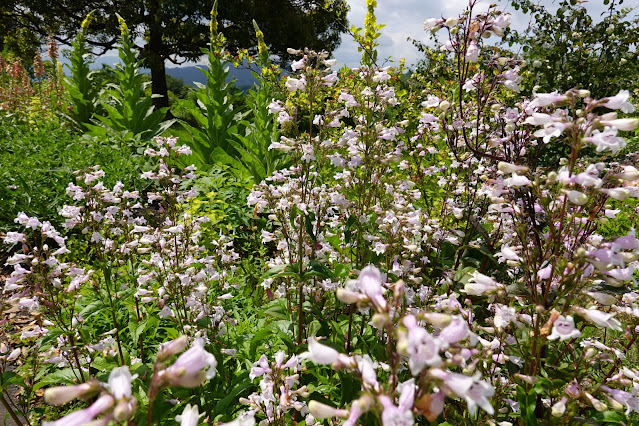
pixel 404 18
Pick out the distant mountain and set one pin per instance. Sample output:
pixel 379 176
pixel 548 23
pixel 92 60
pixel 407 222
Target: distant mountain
pixel 192 74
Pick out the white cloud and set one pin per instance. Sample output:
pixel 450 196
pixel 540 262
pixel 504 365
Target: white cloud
pixel 404 18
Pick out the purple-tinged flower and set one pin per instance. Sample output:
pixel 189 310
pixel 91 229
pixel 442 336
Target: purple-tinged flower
pixel 14 237
pixel 245 418
pixel 600 318
pixel 619 101
pixel 191 368
pixel 624 124
pixel 370 283
pixel 420 346
pixel 564 329
pixel 624 398
pixel 504 316
pixel 607 140
pixel 59 395
pixel 322 354
pixel 456 331
pixel 402 414
pixel 473 390
pixel 480 284
pixel 260 368
pixel 322 411
pixel 82 417
pixel 472 52
pixel 620 194
pixel 546 99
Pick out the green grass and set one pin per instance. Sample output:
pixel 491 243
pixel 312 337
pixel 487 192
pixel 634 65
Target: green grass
pixel 37 164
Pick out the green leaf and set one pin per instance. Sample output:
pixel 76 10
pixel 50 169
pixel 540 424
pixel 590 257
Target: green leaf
pixel 65 376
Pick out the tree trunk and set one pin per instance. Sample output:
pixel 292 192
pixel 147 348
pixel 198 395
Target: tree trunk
pixel 153 52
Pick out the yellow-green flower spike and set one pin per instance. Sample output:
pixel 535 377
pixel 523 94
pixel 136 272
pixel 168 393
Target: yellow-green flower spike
pixel 124 30
pixel 213 24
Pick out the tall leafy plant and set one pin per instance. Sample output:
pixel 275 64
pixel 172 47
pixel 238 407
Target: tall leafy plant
pixel 130 114
pixel 216 115
pixel 254 158
pixel 81 88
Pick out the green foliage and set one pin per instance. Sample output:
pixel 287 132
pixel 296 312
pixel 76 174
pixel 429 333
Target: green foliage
pixel 569 48
pixel 368 41
pixel 130 115
pixel 216 115
pixel 81 87
pixel 38 162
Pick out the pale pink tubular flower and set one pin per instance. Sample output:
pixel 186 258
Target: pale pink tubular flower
pixel 600 318
pixel 624 124
pixel 402 414
pixel 546 99
pixel 59 395
pixel 370 283
pixel 82 417
pixel 564 329
pixel 322 411
pixel 191 368
pixel 420 346
pixel 456 331
pixel 619 101
pixel 322 354
pixel 245 418
pixel 473 390
pixel 480 284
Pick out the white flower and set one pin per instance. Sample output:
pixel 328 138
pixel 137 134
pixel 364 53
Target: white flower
pixel 190 416
pixel 576 197
pixel 517 181
pixel 293 84
pixel 320 354
pixel 322 411
pixel 120 382
pixel 625 124
pixel 619 101
pixel 564 329
pixel 473 390
pixel 600 318
pixel 191 368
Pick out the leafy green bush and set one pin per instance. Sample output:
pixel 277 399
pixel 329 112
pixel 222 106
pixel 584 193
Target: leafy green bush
pixel 38 162
pixel 130 115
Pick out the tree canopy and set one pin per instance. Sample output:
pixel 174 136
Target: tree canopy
pixel 177 30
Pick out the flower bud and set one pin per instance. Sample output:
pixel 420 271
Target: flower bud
pixel 379 320
pixel 322 411
pixel 437 319
pixel 123 410
pixel 59 395
pixel 444 105
pixel 451 22
pixel 347 296
pixel 171 348
pixel 559 408
pixel 14 354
